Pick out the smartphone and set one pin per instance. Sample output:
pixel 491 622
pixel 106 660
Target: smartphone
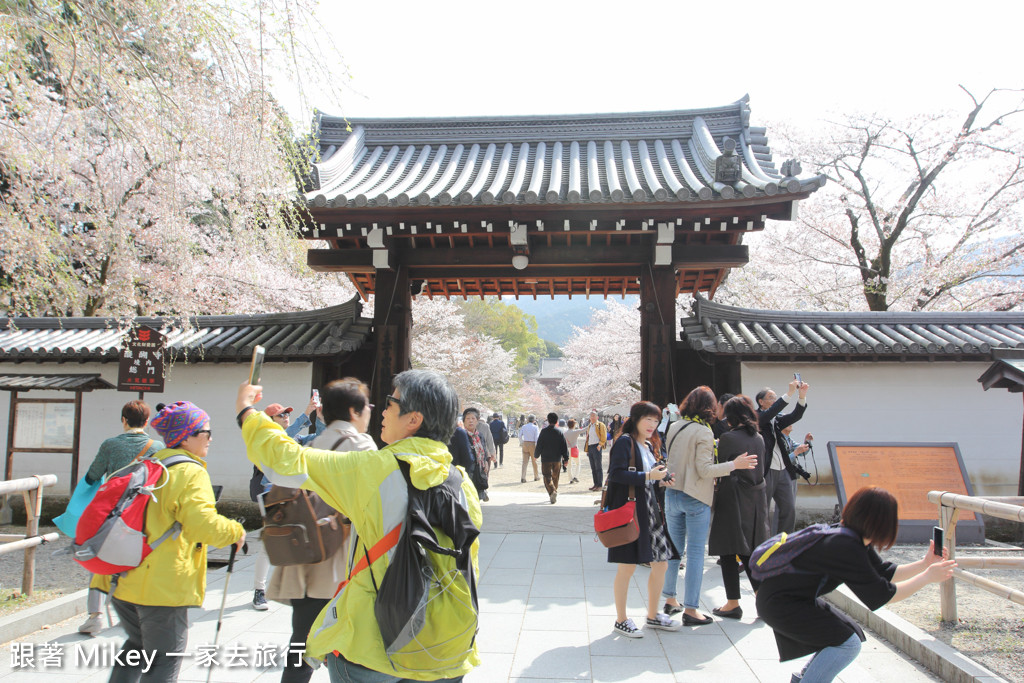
pixel 937 540
pixel 796 376
pixel 256 367
pixel 316 397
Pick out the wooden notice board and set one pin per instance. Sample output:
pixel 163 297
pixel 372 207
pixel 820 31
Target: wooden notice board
pixel 908 471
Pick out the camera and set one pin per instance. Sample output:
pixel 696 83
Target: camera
pixel 802 472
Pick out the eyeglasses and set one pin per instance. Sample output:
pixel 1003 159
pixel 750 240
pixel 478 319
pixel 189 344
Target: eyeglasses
pixel 208 432
pixel 396 401
pixel 370 406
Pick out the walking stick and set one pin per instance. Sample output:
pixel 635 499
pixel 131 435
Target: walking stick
pixel 224 599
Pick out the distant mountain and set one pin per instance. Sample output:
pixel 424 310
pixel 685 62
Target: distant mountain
pixel 556 317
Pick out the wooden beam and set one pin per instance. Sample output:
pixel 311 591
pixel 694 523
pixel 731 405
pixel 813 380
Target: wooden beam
pixel 684 257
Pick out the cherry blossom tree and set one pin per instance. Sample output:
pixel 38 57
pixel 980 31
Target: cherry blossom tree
pixel 602 360
pixel 482 372
pixel 922 214
pixel 144 166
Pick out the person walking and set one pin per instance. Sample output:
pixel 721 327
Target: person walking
pixel 483 449
pixel 528 434
pixel 552 452
pixel 632 471
pixel 740 516
pixel 499 434
pixel 572 439
pixel 597 436
pixel 152 600
pixel 114 453
pixel 691 457
pixel 805 624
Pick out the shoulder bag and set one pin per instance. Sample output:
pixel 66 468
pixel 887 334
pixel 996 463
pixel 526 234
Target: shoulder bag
pixel 619 526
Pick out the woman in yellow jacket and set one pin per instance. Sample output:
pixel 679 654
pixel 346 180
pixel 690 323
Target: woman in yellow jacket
pixel 152 599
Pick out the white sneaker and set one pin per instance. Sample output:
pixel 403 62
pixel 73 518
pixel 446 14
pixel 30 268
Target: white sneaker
pixel 664 622
pixel 92 625
pixel 628 628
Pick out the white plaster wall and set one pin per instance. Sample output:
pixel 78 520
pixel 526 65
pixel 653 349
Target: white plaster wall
pixel 210 386
pixel 941 401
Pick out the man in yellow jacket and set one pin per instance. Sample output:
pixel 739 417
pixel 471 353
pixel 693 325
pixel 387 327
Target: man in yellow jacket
pixel 369 489
pixel 597 436
pixel 152 599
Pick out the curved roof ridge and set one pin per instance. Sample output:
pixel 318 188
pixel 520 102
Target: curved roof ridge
pixel 704 308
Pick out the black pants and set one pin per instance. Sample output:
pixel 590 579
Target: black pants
pixel 501 453
pixel 594 454
pixel 304 613
pixel 731 575
pixel 151 628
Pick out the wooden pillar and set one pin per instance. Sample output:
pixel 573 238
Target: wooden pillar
pixel 392 326
pixel 657 334
pixel 1020 478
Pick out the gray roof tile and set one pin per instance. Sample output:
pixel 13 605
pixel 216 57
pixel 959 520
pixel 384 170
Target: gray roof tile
pixel 728 330
pixel 302 335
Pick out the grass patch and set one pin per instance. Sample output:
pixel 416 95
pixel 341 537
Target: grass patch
pixel 13 600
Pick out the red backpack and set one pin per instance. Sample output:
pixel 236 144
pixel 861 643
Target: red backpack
pixel 111 534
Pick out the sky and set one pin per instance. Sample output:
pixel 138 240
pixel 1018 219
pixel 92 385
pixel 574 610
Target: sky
pixel 799 61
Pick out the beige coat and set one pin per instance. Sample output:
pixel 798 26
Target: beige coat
pixel 319 580
pixel 691 457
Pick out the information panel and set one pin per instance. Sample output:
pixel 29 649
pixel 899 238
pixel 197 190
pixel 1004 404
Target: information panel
pixel 44 425
pixel 908 471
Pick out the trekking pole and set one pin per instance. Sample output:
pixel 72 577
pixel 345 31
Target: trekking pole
pixel 224 599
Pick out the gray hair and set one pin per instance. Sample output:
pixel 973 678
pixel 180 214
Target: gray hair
pixel 433 396
pixel 531 418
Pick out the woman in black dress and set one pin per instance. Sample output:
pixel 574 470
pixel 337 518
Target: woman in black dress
pixel 806 624
pixel 739 520
pixel 639 443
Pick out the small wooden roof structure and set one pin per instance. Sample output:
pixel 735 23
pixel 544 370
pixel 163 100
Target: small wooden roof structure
pixel 545 205
pixel 53 382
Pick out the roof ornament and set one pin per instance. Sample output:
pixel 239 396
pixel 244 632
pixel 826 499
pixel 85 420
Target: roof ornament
pixel 791 168
pixel 727 165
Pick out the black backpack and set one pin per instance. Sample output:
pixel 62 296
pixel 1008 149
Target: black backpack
pixel 414 592
pixel 775 556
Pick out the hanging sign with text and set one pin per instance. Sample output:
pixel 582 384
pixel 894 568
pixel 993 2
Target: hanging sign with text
pixel 142 361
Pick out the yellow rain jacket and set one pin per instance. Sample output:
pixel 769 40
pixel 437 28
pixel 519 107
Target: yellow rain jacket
pixel 174 574
pixel 368 488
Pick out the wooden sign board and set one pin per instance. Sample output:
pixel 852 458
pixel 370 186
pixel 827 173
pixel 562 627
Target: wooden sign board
pixel 908 471
pixel 141 366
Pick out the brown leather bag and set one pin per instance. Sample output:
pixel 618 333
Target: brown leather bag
pixel 619 526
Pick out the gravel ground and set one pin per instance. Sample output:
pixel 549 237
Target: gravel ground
pixel 990 629
pixel 59 573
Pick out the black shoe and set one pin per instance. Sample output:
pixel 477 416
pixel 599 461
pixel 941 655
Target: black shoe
pixel 259 600
pixel 671 610
pixel 734 613
pixel 694 621
pixel 483 496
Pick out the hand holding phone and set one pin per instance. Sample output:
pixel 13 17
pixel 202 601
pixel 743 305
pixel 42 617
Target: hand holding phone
pixel 256 366
pixel 937 540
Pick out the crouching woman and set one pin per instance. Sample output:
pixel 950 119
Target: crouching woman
pixel 806 624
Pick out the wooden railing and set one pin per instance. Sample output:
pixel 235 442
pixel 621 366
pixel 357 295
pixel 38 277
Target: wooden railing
pixel 950 504
pixel 31 488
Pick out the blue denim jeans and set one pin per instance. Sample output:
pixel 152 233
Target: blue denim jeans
pixel 343 671
pixel 826 664
pixel 688 521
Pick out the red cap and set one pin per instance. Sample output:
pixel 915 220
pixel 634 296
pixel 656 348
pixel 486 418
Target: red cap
pixel 277 409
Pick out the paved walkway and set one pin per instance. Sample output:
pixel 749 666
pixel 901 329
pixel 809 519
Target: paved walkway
pixel 546 614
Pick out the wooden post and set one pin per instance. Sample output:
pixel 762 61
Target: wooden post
pixel 33 508
pixel 1020 478
pixel 657 334
pixel 392 327
pixel 6 514
pixel 74 445
pixel 947 589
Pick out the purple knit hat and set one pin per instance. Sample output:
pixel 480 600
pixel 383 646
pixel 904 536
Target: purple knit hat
pixel 177 421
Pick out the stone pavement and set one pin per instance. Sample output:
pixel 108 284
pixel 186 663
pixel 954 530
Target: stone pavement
pixel 546 614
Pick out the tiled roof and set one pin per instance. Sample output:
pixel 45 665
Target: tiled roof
pixel 750 333
pixel 50 382
pixel 287 336
pixel 1005 373
pixel 578 159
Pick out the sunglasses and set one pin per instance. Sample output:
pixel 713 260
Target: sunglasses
pixel 208 432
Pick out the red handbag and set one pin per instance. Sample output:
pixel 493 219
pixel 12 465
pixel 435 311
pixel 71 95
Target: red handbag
pixel 619 526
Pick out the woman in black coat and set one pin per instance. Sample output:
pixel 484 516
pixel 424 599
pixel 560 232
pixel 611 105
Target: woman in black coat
pixel 805 624
pixel 739 520
pixel 633 465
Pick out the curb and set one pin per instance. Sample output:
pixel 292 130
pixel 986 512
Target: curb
pixel 30 620
pixel 944 661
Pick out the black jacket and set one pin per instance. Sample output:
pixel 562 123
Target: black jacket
pixel 551 446
pixel 739 521
pixel 771 425
pixel 462 455
pixel 803 622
